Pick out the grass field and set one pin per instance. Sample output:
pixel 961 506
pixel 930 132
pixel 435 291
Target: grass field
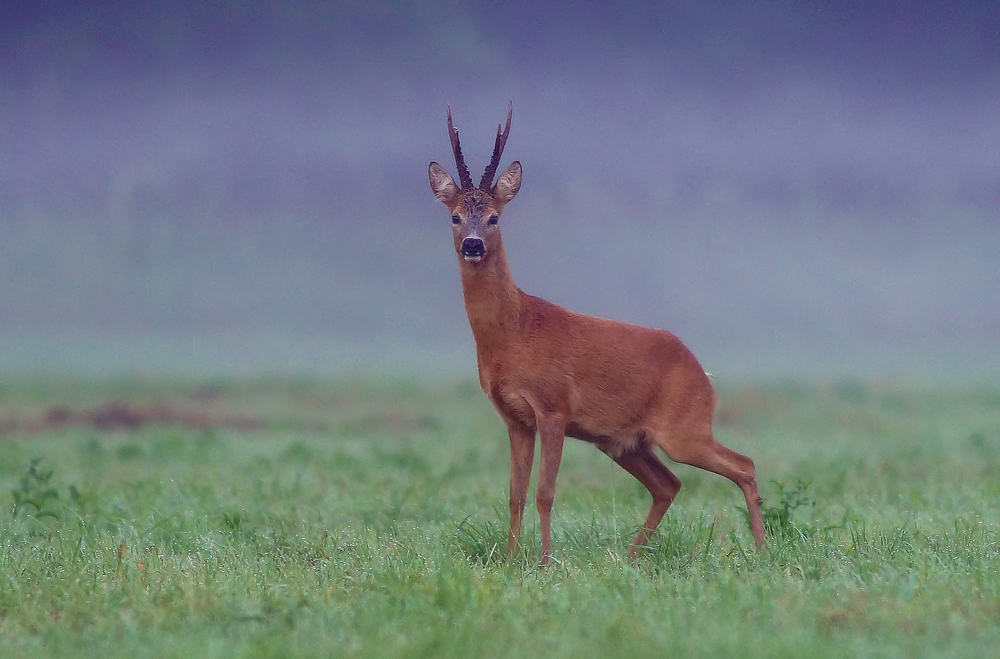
pixel 368 519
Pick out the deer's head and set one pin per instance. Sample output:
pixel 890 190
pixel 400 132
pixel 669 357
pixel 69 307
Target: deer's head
pixel 475 212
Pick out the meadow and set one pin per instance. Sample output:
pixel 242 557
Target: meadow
pixel 305 518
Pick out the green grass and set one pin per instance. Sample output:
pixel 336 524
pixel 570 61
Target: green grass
pixel 369 519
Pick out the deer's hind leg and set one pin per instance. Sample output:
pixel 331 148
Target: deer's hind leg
pixel 694 444
pixel 662 484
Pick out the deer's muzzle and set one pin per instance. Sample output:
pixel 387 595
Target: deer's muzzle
pixel 473 248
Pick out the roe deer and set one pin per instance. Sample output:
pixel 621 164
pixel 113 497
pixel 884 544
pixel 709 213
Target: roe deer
pixel 624 388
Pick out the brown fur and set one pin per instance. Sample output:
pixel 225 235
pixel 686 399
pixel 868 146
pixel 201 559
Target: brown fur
pixel 555 373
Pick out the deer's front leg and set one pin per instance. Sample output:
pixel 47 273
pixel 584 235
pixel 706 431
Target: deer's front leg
pixel 552 432
pixel 522 453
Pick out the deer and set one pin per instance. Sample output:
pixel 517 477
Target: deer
pixel 554 373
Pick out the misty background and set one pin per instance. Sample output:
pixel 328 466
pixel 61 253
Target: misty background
pixel 795 189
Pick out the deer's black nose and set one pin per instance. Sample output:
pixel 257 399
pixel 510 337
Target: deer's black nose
pixel 473 247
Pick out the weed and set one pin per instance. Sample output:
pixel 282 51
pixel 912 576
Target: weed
pixel 233 520
pixel 778 518
pixel 484 543
pixel 35 490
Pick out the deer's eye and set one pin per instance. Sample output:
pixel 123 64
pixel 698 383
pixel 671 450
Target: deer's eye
pixel 493 219
pixel 455 219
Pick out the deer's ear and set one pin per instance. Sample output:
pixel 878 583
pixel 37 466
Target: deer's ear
pixel 442 184
pixel 508 184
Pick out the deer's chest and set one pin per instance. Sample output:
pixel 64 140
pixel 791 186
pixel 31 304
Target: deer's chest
pixel 509 396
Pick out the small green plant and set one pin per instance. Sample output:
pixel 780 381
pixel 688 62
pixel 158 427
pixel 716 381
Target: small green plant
pixel 484 542
pixel 233 520
pixel 778 518
pixel 34 490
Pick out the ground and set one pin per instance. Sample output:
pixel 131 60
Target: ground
pixel 306 518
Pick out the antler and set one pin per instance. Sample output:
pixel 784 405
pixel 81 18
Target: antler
pixel 486 182
pixel 463 171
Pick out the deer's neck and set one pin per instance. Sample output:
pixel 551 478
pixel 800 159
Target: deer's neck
pixel 492 300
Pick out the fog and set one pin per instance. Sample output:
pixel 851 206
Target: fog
pixel 796 190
